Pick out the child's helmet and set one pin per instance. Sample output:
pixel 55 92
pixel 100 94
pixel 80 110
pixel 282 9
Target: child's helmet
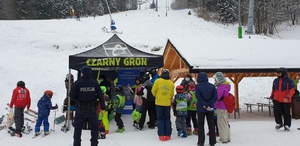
pixel 48 93
pixel 103 89
pixel 179 89
pixel 136 116
pixel 21 84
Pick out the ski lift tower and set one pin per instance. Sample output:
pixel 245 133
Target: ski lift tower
pixel 250 17
pixel 156 8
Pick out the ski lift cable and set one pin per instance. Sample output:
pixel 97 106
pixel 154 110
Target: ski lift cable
pixel 108 10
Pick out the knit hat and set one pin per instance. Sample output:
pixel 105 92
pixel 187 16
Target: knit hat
pixel 86 71
pixel 219 77
pixel 165 74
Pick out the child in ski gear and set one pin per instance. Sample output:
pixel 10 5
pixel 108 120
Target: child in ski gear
pixel 44 106
pixel 206 94
pixel 87 94
pixel 163 91
pixel 138 101
pixel 282 92
pixel 119 103
pixel 138 82
pixel 223 88
pixel 148 103
pixel 191 109
pixel 20 100
pixel 103 115
pixel 180 103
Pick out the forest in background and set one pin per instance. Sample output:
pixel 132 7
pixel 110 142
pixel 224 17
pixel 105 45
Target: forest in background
pixel 267 13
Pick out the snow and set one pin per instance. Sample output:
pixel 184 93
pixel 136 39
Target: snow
pixel 37 51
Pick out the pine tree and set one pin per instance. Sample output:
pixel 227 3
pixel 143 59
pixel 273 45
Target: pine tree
pixel 227 11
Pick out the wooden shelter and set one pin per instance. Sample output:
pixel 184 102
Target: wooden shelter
pixel 194 55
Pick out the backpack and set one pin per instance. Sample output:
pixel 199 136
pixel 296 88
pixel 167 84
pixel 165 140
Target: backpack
pixel 229 102
pixel 140 90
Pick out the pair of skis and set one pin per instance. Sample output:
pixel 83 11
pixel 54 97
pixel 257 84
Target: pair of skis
pixel 31 113
pixel 42 135
pixel 104 29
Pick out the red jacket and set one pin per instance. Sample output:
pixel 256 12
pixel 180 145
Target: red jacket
pixel 20 98
pixel 283 88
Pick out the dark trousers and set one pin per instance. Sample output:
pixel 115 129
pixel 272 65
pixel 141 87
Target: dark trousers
pixel 211 126
pixel 118 120
pixel 19 118
pixel 216 125
pixel 163 120
pixel 39 122
pixel 282 109
pixel 150 107
pixel 92 119
pixel 192 115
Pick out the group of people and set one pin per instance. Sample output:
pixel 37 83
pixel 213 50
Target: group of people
pixel 153 94
pixel 197 101
pixel 21 99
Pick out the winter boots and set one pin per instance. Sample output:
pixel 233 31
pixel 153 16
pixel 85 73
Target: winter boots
pixel 278 126
pixel 182 134
pixel 120 130
pixel 195 131
pixel 102 135
pixel 189 131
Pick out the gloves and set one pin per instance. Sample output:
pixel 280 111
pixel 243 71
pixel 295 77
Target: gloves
pixel 175 113
pixel 55 107
pixel 271 97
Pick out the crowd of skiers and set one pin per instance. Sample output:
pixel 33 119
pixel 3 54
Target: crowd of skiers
pixel 154 95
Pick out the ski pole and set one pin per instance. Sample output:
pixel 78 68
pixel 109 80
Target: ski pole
pixel 54 121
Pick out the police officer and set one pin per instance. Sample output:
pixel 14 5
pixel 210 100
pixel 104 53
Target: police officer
pixel 86 93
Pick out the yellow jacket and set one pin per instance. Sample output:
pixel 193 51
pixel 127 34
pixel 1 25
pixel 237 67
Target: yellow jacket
pixel 163 91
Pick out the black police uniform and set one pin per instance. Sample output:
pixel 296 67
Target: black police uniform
pixel 86 92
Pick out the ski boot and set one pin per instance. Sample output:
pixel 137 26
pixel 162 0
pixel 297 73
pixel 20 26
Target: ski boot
pixel 120 130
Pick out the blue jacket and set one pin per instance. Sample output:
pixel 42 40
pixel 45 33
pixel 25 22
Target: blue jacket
pixel 206 93
pixel 44 106
pixel 156 76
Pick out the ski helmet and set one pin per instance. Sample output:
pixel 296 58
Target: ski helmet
pixel 21 84
pixel 179 89
pixel 49 93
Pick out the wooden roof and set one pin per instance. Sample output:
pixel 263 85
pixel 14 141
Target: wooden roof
pixel 179 67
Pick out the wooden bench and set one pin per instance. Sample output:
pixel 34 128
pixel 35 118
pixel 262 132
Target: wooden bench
pixel 261 106
pixel 236 113
pixel 249 106
pixel 271 108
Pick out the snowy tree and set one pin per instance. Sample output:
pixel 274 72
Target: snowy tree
pixel 43 9
pixel 228 11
